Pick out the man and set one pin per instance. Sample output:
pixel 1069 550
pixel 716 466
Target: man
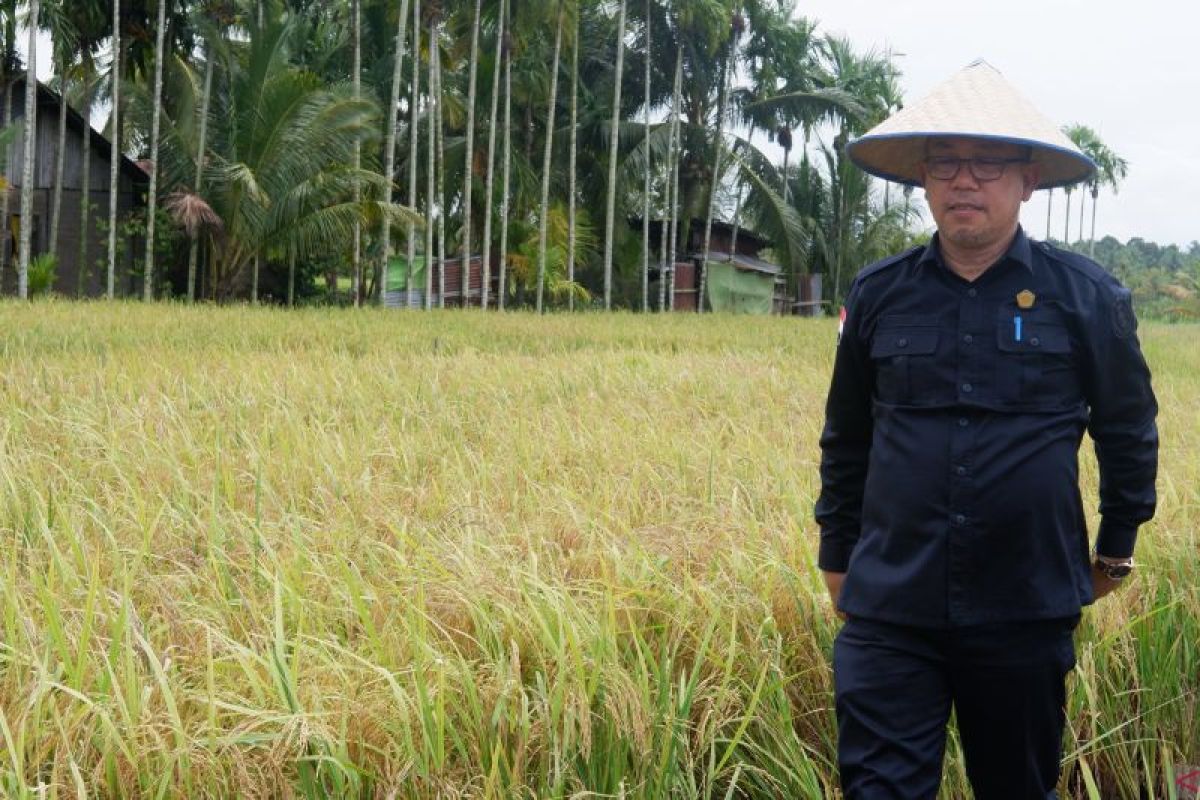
pixel 953 537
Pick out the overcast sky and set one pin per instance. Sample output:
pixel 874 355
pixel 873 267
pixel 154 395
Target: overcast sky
pixel 1129 70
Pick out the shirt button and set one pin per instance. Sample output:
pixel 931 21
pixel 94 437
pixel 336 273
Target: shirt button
pixel 960 470
pixel 902 343
pixel 963 422
pixel 972 292
pixel 968 338
pixel 967 388
pixel 1036 342
pixel 959 519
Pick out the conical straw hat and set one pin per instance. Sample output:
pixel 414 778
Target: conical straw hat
pixel 976 102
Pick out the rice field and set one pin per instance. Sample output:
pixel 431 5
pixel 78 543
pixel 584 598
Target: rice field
pixel 326 553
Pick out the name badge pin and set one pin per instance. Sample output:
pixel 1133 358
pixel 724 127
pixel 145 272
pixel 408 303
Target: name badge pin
pixel 1025 299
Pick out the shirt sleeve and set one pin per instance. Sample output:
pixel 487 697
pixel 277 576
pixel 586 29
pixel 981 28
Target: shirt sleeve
pixel 1121 422
pixel 845 443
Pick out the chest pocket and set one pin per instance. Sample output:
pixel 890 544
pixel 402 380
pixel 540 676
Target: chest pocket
pixel 1036 365
pixel 903 356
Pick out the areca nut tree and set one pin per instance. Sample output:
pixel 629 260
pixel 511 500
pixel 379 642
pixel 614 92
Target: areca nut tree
pixel 468 171
pixel 155 130
pixel 544 213
pixel 31 86
pixel 614 142
pixel 489 180
pixel 392 124
pixel 115 155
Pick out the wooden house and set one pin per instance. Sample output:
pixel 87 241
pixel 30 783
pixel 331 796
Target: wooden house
pixel 739 279
pixel 132 186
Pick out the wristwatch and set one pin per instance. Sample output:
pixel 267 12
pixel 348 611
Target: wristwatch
pixel 1116 569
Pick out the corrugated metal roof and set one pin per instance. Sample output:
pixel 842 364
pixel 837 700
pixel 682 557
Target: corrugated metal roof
pixel 743 262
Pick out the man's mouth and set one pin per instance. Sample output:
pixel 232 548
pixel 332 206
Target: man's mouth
pixel 964 207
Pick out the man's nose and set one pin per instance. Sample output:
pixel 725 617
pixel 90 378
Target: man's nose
pixel 964 178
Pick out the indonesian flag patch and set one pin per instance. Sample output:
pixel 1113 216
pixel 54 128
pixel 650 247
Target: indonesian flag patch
pixel 841 323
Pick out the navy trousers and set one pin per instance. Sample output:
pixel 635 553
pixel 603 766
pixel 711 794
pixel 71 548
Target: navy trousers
pixel 894 688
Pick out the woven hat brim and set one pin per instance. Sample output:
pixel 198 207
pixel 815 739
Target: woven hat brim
pixel 897 157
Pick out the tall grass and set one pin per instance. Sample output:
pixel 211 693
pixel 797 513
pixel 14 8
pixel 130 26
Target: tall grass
pixel 373 554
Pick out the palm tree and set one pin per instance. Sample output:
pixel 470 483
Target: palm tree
pixel 737 25
pixel 9 65
pixel 115 155
pixel 430 164
pixel 31 90
pixel 152 194
pixel 544 215
pixel 469 169
pixel 573 159
pixel 1111 170
pixel 506 158
pixel 392 124
pixel 414 105
pixel 614 142
pixel 64 41
pixel 646 176
pixel 356 80
pixel 279 177
pixel 201 159
pixel 1086 140
pixel 489 184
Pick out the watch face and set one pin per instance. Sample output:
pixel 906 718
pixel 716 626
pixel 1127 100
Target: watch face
pixel 1116 571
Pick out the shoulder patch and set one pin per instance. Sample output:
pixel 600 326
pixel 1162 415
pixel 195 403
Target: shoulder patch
pixel 1123 319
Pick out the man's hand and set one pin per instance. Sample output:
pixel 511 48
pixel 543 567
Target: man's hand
pixel 833 582
pixel 1101 583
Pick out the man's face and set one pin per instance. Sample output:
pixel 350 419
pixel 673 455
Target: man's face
pixel 970 213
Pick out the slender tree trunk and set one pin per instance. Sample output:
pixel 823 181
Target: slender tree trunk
pixel 489 187
pixel 468 172
pixel 737 209
pixel 1092 238
pixel 114 153
pixel 59 161
pixel 573 164
pixel 85 193
pixel 646 178
pixel 357 280
pixel 506 169
pixel 613 150
pixel 723 97
pixel 1082 202
pixel 1067 221
pixel 291 277
pixel 1049 204
pixel 30 135
pixel 254 278
pixel 431 166
pixel 5 119
pixel 665 227
pixel 155 129
pixel 201 158
pixel 389 154
pixel 441 175
pixel 787 151
pixel 414 122
pixel 676 137
pixel 544 215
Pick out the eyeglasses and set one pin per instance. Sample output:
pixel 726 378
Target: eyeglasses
pixel 944 168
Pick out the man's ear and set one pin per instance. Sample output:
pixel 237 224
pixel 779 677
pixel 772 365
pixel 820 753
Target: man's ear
pixel 1032 175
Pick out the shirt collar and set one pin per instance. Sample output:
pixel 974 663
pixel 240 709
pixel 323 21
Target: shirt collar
pixel 1020 251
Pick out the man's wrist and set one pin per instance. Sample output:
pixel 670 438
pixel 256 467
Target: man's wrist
pixel 1113 567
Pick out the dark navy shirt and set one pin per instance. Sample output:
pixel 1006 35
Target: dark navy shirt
pixel 949 471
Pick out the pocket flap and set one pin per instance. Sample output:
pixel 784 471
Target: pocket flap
pixel 1036 336
pixel 904 342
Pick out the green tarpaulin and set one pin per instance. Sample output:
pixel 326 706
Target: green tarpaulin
pixel 397 272
pixel 739 291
